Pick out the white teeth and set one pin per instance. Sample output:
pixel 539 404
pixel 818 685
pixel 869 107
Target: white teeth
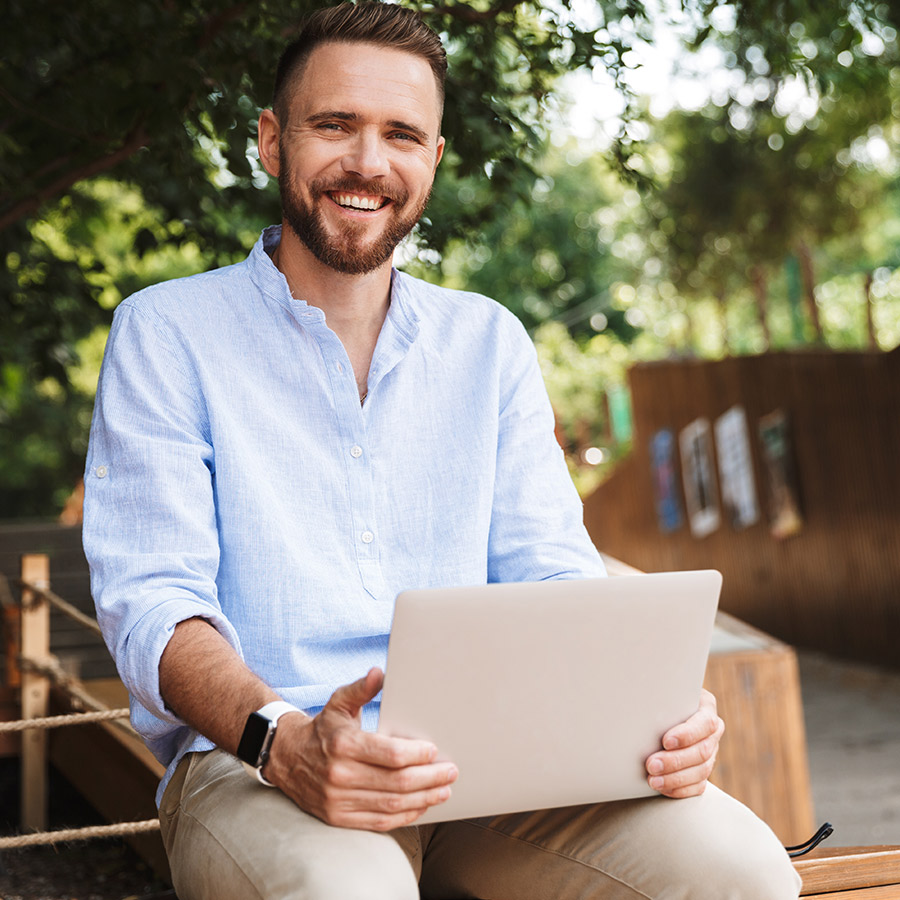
pixel 357 202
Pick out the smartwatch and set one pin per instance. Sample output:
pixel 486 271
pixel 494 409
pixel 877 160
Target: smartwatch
pixel 259 732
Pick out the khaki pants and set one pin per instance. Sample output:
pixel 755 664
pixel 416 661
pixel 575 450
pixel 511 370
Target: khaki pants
pixel 230 838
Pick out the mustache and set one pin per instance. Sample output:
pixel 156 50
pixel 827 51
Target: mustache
pixel 372 186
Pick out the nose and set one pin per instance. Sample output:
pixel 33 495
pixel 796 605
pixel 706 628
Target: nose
pixel 367 157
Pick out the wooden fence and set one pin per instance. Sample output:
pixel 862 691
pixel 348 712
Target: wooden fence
pixel 834 585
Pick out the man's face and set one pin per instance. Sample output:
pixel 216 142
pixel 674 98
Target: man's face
pixel 358 152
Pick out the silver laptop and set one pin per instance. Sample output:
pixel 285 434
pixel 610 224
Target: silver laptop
pixel 548 694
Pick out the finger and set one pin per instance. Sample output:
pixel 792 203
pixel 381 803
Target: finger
pixel 352 775
pixel 380 811
pixel 381 750
pixel 666 761
pixel 386 803
pixel 369 821
pixel 701 725
pixel 351 698
pixel 684 783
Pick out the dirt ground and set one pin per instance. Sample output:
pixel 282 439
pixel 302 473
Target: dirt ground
pixel 84 870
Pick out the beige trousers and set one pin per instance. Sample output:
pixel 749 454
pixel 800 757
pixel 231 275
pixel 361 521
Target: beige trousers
pixel 230 838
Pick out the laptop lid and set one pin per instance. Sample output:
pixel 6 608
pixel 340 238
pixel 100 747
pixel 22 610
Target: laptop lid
pixel 551 693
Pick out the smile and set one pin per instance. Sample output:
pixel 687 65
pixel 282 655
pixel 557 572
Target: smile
pixel 358 201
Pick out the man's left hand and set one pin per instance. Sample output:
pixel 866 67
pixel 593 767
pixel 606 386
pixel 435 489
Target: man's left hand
pixel 682 768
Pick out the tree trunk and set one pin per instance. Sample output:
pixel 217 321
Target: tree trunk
pixel 809 289
pixel 761 291
pixel 723 317
pixel 870 319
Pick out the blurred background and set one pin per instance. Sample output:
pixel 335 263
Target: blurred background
pixel 693 207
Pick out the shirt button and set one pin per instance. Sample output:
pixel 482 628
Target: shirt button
pixel 356 451
pixel 339 367
pixel 102 471
pixel 367 537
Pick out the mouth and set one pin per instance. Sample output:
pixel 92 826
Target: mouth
pixel 367 202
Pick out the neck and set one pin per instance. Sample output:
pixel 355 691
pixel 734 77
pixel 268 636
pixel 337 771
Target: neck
pixel 355 306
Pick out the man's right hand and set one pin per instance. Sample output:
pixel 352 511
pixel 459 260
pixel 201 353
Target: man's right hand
pixel 348 777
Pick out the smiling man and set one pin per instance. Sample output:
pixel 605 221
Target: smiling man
pixel 281 446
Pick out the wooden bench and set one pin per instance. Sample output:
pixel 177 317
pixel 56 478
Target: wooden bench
pixel 850 873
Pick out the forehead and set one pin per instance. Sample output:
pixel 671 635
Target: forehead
pixel 368 79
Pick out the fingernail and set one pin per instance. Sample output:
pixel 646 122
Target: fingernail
pixel 452 773
pixel 656 783
pixel 655 766
pixel 444 794
pixel 671 743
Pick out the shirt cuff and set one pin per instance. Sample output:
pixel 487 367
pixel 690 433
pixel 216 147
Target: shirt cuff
pixel 148 639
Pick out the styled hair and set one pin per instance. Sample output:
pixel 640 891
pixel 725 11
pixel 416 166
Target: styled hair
pixel 370 22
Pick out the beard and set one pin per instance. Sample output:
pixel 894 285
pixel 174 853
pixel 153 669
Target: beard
pixel 348 251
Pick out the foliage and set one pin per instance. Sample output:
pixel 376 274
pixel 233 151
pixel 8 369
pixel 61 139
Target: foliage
pixel 555 254
pixel 779 165
pixel 126 156
pixel 163 98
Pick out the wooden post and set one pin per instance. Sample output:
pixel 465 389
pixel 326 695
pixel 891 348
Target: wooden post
pixel 35 643
pixel 10 629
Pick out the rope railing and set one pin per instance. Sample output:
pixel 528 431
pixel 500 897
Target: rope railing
pixel 119 829
pixel 54 672
pixel 38 669
pixel 61 721
pixel 41 593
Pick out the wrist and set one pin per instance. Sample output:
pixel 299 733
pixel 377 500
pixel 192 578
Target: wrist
pixel 258 737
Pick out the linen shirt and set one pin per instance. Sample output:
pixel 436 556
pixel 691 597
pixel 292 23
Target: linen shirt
pixel 233 475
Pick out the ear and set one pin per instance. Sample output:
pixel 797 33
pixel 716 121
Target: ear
pixel 268 136
pixel 439 152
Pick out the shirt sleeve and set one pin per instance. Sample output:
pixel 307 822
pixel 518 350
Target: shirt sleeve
pixel 537 521
pixel 150 521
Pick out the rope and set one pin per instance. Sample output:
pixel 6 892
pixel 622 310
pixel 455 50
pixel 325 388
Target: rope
pixel 60 721
pixel 63 606
pixel 78 834
pixel 51 669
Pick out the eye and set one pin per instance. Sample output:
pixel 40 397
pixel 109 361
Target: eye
pixel 404 136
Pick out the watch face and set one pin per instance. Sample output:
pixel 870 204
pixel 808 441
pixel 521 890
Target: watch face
pixel 253 738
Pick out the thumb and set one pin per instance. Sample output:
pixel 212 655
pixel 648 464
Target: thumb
pixel 351 698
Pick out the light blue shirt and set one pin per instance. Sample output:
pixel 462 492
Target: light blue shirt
pixel 232 474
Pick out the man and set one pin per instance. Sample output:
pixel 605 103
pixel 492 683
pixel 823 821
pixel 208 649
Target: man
pixel 278 448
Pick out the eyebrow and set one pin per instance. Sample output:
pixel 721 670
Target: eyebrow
pixel 353 117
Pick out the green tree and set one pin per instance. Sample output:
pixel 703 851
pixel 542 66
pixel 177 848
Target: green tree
pixel 163 98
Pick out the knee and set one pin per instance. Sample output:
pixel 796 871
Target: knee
pixel 745 874
pixel 714 848
pixel 742 862
pixel 383 874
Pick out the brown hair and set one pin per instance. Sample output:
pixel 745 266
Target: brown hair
pixel 370 22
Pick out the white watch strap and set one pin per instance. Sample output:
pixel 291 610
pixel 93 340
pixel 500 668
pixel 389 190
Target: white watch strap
pixel 272 711
pixel 276 709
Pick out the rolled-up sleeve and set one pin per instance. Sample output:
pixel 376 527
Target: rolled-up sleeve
pixel 150 518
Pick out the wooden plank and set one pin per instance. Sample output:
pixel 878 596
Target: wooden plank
pixel 849 868
pixel 35 636
pixel 888 892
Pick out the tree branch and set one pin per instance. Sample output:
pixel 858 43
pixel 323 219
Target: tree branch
pixel 216 23
pixel 136 139
pixel 474 16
